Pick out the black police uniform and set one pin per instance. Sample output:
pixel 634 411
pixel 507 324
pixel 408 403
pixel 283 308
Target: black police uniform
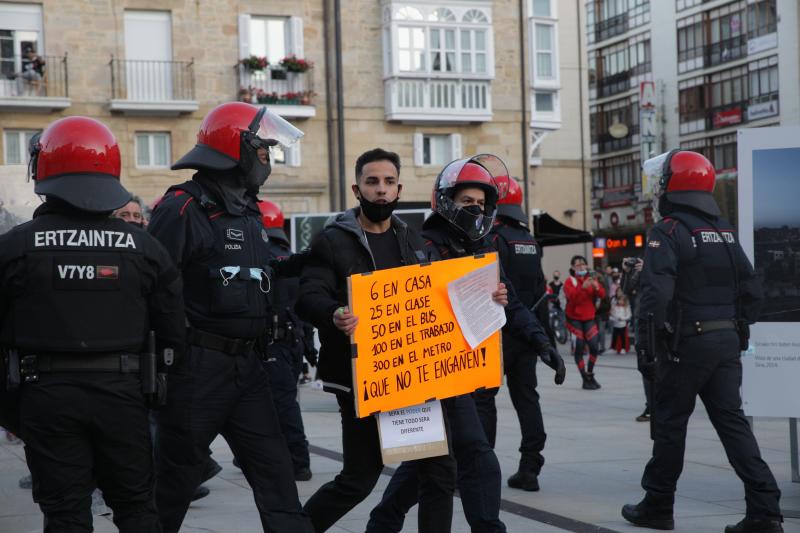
pixel 520 255
pixel 79 293
pixel 221 386
pixel 688 281
pixel 284 350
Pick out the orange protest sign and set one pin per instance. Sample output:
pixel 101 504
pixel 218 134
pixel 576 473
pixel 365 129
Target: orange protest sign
pixel 408 347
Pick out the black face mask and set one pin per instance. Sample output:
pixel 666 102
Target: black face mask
pixel 555 278
pixel 376 212
pixel 254 173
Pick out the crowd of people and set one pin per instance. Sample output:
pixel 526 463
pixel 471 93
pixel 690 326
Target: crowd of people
pixel 195 323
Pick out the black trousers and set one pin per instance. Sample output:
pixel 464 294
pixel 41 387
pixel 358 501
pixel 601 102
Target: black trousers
pixel 213 393
pixel 711 368
pixel 283 370
pixel 361 468
pixel 520 368
pixel 478 477
pixel 83 430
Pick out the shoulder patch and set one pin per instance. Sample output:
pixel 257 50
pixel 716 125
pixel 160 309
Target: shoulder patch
pixel 653 244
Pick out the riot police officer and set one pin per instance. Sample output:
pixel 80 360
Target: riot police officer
pixel 288 342
pixel 79 291
pixel 520 255
pixel 211 226
pixel 698 295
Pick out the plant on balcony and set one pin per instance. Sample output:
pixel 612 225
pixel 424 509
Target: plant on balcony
pixel 294 64
pixel 254 63
pixel 291 98
pixel 263 97
pixel 306 97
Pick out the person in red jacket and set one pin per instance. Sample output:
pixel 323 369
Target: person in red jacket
pixel 581 292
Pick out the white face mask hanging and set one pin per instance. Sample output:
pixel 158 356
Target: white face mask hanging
pixel 228 273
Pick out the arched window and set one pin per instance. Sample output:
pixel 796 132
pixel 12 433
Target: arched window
pixel 442 14
pixel 475 15
pixel 409 13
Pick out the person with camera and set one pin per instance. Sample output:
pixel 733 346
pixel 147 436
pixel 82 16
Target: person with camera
pixel 699 294
pixel 582 290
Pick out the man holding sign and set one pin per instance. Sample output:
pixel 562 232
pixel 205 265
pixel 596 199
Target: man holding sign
pixel 363 239
pixel 464 202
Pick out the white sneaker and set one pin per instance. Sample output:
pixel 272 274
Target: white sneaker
pixel 623 352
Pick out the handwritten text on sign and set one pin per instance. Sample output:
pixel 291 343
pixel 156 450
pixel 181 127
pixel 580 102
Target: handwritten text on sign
pixel 410 348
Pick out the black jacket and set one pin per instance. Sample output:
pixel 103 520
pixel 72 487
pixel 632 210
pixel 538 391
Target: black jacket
pixel 446 242
pixel 340 250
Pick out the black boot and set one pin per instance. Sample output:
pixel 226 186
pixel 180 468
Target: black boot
pixel 587 382
pixel 593 382
pixel 646 513
pixel 524 480
pixel 756 525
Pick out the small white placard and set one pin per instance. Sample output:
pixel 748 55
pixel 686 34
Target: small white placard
pixel 411 426
pixel 477 313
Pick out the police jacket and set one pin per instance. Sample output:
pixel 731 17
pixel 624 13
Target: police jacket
pixel 287 327
pixel 521 257
pixel 73 281
pixel 223 257
pixel 338 251
pixel 689 266
pixel 446 242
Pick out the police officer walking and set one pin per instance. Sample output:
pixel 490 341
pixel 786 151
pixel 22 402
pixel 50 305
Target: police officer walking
pixel 698 296
pixel 212 227
pixel 521 258
pixel 79 292
pixel 286 344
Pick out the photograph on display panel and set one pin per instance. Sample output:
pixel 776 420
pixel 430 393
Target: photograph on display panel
pixel 776 231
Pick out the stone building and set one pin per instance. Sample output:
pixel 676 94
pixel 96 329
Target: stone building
pixel 432 81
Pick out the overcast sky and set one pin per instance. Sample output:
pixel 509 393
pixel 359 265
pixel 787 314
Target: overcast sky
pixel 776 188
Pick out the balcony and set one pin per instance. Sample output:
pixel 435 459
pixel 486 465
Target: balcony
pixel 607 143
pixel 617 196
pixel 606 29
pixel 725 50
pixel 616 83
pixel 438 101
pixel 288 94
pixel 45 89
pixel 154 88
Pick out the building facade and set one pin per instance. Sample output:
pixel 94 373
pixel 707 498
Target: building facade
pixel 431 81
pixel 681 74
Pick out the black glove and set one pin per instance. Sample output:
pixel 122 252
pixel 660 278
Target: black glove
pixel 646 367
pixel 552 358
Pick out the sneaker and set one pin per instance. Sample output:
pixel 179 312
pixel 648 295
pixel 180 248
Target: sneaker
pixel 302 474
pixel 756 525
pixel 26 482
pixel 644 515
pixel 623 352
pixel 524 480
pixel 644 417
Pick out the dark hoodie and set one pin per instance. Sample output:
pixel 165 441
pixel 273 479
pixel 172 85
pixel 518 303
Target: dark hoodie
pixel 340 250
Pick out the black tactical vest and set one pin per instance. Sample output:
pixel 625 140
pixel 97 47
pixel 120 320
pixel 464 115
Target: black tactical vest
pixel 522 261
pixel 85 281
pixel 705 286
pixel 228 281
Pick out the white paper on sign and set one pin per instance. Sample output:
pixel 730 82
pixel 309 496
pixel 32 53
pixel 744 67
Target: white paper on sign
pixel 471 297
pixel 417 424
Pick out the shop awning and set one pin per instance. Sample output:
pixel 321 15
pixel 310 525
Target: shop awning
pixel 550 232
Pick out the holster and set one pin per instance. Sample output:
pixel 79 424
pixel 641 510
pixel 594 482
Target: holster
pixel 743 330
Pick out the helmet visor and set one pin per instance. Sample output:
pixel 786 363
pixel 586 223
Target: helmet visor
pixel 457 172
pixel 653 174
pixel 269 126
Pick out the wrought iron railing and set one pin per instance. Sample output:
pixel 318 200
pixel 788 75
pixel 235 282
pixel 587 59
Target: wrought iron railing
pixel 610 27
pixel 151 81
pixel 726 50
pixel 21 76
pixel 274 85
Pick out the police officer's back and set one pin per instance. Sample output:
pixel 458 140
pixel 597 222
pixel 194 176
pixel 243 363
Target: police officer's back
pixel 698 296
pixel 80 291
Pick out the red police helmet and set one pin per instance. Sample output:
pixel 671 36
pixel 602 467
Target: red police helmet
pixel 510 205
pixel 230 127
pixel 684 178
pixel 76 159
pixel 272 218
pixel 480 171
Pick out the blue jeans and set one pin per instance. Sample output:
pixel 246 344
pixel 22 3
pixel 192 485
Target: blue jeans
pixel 478 477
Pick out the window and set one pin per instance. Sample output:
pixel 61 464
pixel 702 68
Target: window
pixel 16 146
pixel 152 150
pixel 436 149
pixel 545 102
pixel 762 18
pixel 411 49
pixel 690 40
pixel 545 66
pixel 727 34
pixel 728 87
pixel 444 42
pixel 269 37
pixel 282 156
pixel 20 30
pixel 763 80
pixel 542 8
pixel 614 125
pixel 616 176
